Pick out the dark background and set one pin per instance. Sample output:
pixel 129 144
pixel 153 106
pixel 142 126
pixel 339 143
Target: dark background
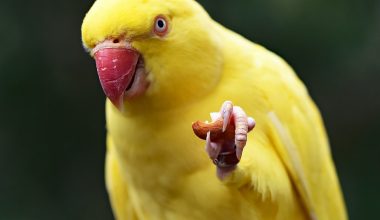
pixel 52 128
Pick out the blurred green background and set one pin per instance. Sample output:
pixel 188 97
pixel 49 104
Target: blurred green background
pixel 52 128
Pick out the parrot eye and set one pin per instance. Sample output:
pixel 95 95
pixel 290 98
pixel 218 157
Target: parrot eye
pixel 160 26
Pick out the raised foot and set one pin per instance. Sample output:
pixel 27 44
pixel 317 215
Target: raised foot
pixel 226 137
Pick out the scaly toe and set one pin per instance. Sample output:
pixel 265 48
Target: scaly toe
pixel 212 148
pixel 226 112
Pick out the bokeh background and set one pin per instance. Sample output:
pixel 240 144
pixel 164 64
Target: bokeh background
pixel 52 128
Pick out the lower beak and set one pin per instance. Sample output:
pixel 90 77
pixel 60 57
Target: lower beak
pixel 116 67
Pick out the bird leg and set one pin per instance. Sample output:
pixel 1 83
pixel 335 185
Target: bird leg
pixel 224 149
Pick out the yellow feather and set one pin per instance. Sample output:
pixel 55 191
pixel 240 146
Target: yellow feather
pixel 299 177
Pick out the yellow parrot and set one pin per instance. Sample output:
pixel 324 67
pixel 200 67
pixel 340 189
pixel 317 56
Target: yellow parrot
pixel 164 64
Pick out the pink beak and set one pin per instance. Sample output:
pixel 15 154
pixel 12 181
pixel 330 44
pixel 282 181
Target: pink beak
pixel 116 67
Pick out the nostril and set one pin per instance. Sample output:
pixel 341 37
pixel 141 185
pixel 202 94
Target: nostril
pixel 116 41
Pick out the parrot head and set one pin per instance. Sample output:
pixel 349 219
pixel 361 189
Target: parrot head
pixel 153 53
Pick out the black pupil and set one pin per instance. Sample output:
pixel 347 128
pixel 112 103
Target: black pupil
pixel 160 23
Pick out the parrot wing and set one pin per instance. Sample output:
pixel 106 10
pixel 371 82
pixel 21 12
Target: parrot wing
pixel 305 152
pixel 294 165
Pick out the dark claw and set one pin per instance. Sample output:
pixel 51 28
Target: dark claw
pixel 226 159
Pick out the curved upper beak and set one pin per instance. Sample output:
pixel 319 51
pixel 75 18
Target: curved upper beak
pixel 116 64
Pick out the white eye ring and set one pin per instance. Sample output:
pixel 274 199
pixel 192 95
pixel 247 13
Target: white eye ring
pixel 160 26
